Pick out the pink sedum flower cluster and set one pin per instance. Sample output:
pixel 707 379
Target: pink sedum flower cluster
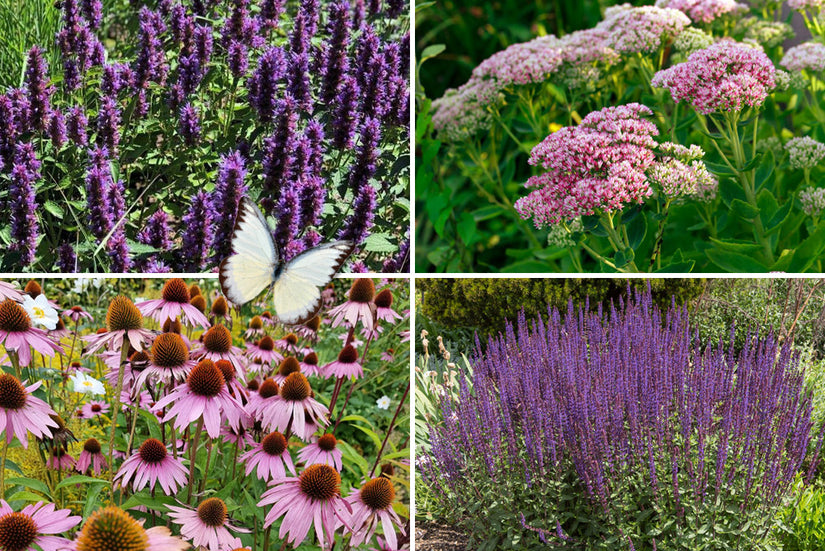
pixel 643 29
pixel 813 200
pixel 704 11
pixel 598 165
pixel 727 76
pixel 808 56
pixel 524 63
pixel 813 5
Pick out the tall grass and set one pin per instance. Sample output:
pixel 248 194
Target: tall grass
pixel 24 23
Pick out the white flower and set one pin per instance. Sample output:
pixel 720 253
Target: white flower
pixel 40 311
pixel 87 385
pixel 383 402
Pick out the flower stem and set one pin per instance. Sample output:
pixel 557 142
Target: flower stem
pixel 206 468
pixel 192 456
pixel 124 354
pixel 389 430
pixel 3 473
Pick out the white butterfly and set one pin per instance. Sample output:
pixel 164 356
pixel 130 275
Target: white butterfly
pixel 255 264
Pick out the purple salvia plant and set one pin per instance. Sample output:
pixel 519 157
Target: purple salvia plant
pixel 404 62
pixel 263 84
pixel 374 96
pixel 8 130
pixel 314 133
pixel 76 125
pixel 150 64
pixel 203 44
pixel 189 125
pixel 25 228
pixel 98 182
pixel 38 90
pixel 395 8
pixel 622 400
pixel 66 258
pixel 374 7
pixel 358 10
pixel 299 38
pixel 400 261
pixel 238 58
pixel 157 266
pixel 359 223
pixel 156 231
pixel 335 63
pixel 309 9
pixel 229 190
pixel 117 247
pixel 344 113
pixel 196 234
pixel 181 25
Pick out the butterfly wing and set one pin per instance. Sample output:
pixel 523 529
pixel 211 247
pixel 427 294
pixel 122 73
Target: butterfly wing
pixel 297 291
pixel 254 259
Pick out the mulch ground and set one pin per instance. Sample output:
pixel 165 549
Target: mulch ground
pixel 435 536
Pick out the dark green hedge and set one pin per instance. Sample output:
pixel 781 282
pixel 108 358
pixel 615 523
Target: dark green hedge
pixel 485 304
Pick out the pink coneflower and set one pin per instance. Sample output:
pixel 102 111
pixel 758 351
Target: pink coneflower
pixel 18 335
pixel 286 368
pixel 405 335
pixel 24 530
pixel 388 355
pixel 309 365
pixel 91 456
pixel 264 350
pixel 289 343
pixel 59 331
pixel 346 365
pixel 151 464
pixel 173 304
pixel 370 505
pixel 267 318
pixel 314 498
pixel 112 529
pixel 77 313
pixel 169 361
pixel 309 330
pixel 208 526
pixel 95 409
pixel 21 412
pixel 267 393
pixel 240 437
pixel 60 460
pixel 269 457
pixel 220 310
pixel 203 395
pixel 258 368
pixel 123 321
pixel 344 337
pixel 323 451
pixel 358 307
pixel 255 328
pixel 295 407
pixel 230 377
pixel 10 292
pixel 217 345
pixel 383 307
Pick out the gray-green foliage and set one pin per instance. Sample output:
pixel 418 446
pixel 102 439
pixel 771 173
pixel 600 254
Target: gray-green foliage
pixel 24 23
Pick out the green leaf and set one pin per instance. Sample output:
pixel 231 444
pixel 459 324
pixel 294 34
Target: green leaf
pixel 379 243
pixel 743 209
pixel 737 245
pixel 91 499
pixel 766 167
pixel 734 262
pixel 467 228
pixel 808 251
pixel 431 51
pixel 80 479
pixel 54 209
pixel 30 483
pixel 636 231
pixel 25 495
pixel 624 257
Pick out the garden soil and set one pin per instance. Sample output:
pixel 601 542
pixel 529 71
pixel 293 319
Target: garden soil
pixel 436 536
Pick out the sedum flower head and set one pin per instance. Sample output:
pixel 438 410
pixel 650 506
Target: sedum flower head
pixel 808 56
pixel 703 11
pixel 813 200
pixel 691 40
pixel 805 152
pixel 643 29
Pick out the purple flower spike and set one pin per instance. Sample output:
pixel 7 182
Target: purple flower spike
pixel 298 38
pixel 117 248
pixel 298 85
pixel 400 261
pixel 108 124
pixel 66 259
pixel 203 44
pixel 238 55
pixel 196 234
pixel 98 181
pixel 335 62
pixel 309 9
pixel 344 113
pixel 396 7
pixel 156 232
pixel 359 223
pixel 313 195
pixel 270 12
pixel 37 89
pixel 189 126
pixel 277 162
pixel 57 129
pixel 364 167
pixel 288 214
pixel 93 12
pixel 229 190
pixel 25 227
pixel 264 81
pixel 76 124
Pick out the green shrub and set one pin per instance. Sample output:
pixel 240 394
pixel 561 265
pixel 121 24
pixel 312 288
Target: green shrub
pixel 803 525
pixel 484 304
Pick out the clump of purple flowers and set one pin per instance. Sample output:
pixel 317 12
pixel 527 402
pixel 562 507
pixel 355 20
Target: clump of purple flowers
pixel 610 413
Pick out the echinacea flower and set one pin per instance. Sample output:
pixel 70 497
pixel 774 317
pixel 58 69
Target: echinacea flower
pixel 173 304
pixel 77 313
pixel 295 407
pixel 208 526
pixel 312 499
pixel 18 335
pixel 94 409
pixel 323 451
pixel 168 361
pixel 60 460
pixel 287 367
pixel 309 330
pixel 35 525
pixel 264 350
pixel 289 343
pixel 230 377
pixel 267 393
pixel 309 365
pixel 84 384
pixel 203 396
pixel 220 309
pixel 152 464
pixel 383 307
pixel 255 328
pixel 21 412
pixel 91 456
pixel 113 529
pixel 269 458
pixel 10 292
pixel 123 321
pixel 217 345
pixel 358 307
pixel 346 365
pixel 370 505
pixel 40 311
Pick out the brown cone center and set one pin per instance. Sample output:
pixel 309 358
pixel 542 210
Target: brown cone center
pixel 295 388
pixel 17 532
pixel 274 443
pixel 378 493
pixel 206 379
pixel 362 290
pixel 152 451
pixel 218 339
pixel 175 290
pixel 123 315
pixel 169 350
pixel 212 512
pixel 91 445
pixel 12 393
pixel 320 482
pixel 13 318
pixel 112 529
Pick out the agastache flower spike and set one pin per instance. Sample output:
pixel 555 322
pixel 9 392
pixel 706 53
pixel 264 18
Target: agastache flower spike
pixel 66 258
pixel 225 200
pixel 263 83
pixel 344 118
pixel 367 156
pixel 156 232
pixel 98 180
pixel 108 124
pixel 189 126
pixel 336 62
pixel 276 160
pixel 360 221
pixel 92 12
pixel 37 89
pixel 57 129
pixel 117 247
pixel 24 224
pixel 270 12
pixel 298 84
pixel 196 236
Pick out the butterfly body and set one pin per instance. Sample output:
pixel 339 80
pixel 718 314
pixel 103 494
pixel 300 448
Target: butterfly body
pixel 255 264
